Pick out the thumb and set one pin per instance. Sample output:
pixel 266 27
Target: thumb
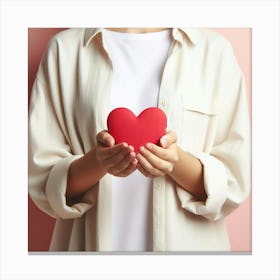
pixel 168 139
pixel 105 139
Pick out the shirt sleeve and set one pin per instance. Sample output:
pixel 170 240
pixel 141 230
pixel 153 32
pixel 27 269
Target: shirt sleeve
pixel 226 166
pixel 50 153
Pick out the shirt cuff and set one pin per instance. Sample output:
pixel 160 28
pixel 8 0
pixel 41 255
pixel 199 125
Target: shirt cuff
pixel 56 192
pixel 215 184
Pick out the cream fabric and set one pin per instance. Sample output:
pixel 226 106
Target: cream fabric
pixel 203 94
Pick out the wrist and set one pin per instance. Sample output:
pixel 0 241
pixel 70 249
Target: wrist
pixel 96 162
pixel 84 173
pixel 188 174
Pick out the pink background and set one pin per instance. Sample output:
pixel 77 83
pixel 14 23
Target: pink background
pixel 40 226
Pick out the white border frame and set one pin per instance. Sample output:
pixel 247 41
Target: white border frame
pixel 261 16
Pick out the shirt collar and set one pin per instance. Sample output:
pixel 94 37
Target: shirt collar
pixel 192 34
pixel 90 34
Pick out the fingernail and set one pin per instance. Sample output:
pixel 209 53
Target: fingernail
pixel 163 141
pixel 132 154
pixel 142 149
pixel 111 143
pixel 149 146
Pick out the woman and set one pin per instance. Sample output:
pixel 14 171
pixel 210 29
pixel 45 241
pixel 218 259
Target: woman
pixel 171 197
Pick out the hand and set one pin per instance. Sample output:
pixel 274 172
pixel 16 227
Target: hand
pixel 155 161
pixel 118 160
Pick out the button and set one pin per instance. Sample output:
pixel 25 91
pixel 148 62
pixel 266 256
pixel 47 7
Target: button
pixel 159 245
pixel 157 186
pixel 157 248
pixel 157 221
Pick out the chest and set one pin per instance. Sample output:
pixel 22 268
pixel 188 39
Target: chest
pixel 185 92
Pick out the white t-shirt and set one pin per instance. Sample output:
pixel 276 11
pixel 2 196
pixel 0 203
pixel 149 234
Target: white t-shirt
pixel 138 62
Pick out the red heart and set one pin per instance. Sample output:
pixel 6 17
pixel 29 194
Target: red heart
pixel 148 127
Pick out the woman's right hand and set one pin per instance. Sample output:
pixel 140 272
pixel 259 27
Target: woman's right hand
pixel 118 160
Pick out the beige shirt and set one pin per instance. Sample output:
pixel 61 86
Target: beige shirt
pixel 203 95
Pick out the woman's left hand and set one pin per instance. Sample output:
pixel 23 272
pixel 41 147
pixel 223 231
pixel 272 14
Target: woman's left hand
pixel 155 161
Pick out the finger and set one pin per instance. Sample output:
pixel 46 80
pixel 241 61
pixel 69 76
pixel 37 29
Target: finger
pixel 111 152
pixel 157 163
pixel 169 138
pixel 143 171
pixel 131 168
pixel 105 139
pixel 117 158
pixel 148 167
pixel 121 163
pixel 107 153
pixel 131 148
pixel 115 151
pixel 162 153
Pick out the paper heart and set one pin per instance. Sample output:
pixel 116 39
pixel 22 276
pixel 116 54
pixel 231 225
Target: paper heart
pixel 148 127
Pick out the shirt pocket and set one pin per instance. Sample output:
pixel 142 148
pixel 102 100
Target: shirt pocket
pixel 199 123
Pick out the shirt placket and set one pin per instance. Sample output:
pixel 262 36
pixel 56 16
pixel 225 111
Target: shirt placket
pixel 159 184
pixel 104 217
